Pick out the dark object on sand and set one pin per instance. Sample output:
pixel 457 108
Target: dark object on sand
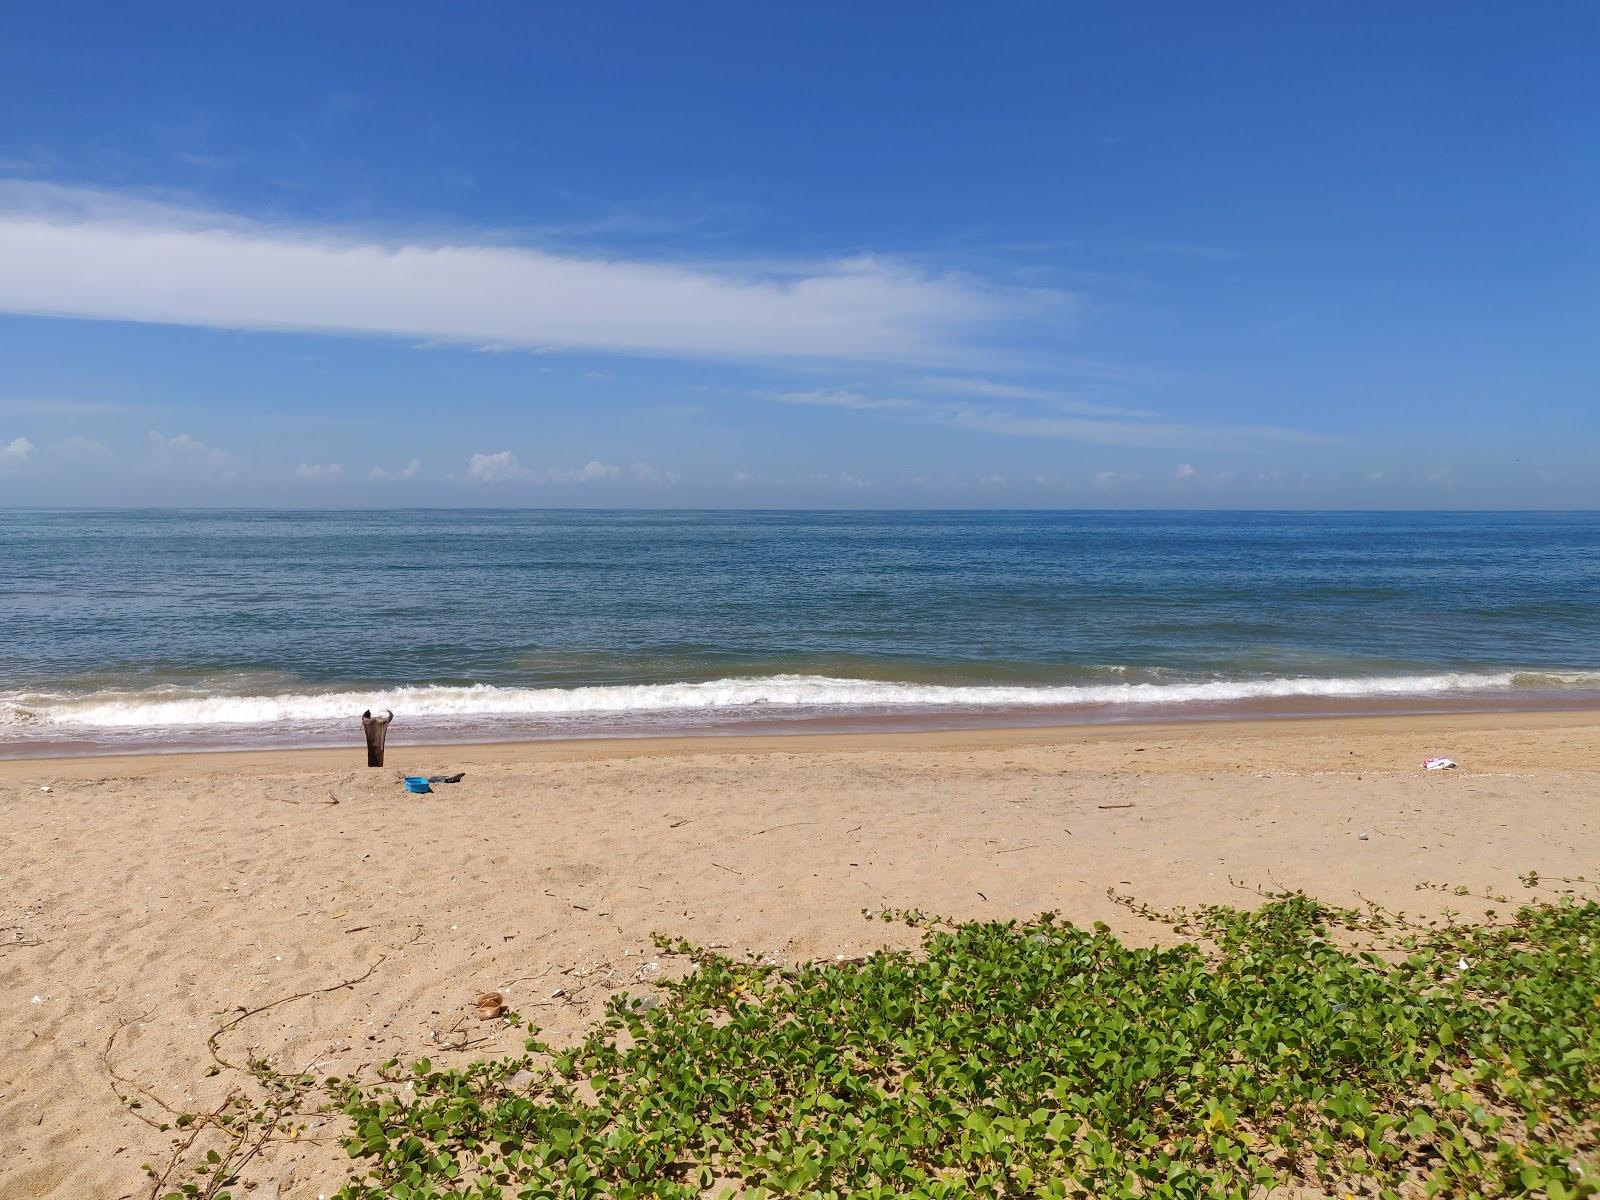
pixel 456 778
pixel 376 729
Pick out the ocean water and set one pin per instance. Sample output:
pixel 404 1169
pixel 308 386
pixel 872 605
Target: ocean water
pixel 147 630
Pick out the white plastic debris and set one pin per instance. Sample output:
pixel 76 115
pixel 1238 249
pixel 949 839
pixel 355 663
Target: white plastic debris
pixel 44 787
pixel 1439 764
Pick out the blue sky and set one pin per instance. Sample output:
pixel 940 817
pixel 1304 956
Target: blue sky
pixel 927 255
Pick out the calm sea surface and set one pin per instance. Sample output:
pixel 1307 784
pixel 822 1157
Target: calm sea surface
pixel 161 629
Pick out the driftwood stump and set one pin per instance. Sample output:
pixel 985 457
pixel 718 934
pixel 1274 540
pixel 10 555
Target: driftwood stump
pixel 376 729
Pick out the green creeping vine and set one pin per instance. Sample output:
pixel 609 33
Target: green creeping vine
pixel 1035 1059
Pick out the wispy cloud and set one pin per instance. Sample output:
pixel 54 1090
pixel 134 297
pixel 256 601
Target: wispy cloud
pixel 1121 427
pixel 844 398
pixel 1132 433
pixel 1110 479
pixel 105 254
pixel 842 480
pixel 81 450
pixel 1103 247
pixel 211 162
pixel 994 389
pixel 645 473
pixel 681 411
pixel 318 471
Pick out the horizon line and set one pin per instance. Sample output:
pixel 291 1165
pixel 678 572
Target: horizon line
pixel 268 508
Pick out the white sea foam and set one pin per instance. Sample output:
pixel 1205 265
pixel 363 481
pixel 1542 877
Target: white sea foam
pixel 163 708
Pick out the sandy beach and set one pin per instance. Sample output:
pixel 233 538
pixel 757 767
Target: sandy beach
pixel 147 901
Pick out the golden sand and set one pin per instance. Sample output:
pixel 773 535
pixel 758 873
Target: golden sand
pixel 145 901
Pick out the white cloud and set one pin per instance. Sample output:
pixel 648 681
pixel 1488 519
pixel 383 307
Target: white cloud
pixel 15 453
pixel 503 467
pixel 319 470
pixel 590 472
pixel 190 456
pixel 410 471
pixel 1184 471
pixel 494 468
pixel 104 254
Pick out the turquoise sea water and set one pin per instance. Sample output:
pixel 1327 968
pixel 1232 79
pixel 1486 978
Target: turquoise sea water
pixel 159 629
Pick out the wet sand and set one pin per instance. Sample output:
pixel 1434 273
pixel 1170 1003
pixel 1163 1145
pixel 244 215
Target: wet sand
pixel 145 899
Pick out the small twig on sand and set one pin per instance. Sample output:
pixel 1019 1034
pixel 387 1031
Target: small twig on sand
pixel 730 870
pixel 245 1014
pixel 332 799
pixel 116 1078
pixel 18 940
pixel 790 825
pixel 1114 806
pixel 248 1130
pixel 441 1038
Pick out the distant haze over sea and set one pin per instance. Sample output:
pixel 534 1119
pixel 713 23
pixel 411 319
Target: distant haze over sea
pixel 150 630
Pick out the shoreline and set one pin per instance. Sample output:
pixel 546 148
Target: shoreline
pixel 188 761
pixel 47 726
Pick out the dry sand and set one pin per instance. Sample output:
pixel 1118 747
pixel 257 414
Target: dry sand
pixel 150 898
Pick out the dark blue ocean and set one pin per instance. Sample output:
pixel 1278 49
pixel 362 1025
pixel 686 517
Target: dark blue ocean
pixel 160 629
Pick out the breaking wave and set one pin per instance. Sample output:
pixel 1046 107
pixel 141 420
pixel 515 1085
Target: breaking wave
pixel 176 707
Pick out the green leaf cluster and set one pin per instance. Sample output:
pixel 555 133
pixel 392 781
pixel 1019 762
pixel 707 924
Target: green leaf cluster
pixel 1037 1059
